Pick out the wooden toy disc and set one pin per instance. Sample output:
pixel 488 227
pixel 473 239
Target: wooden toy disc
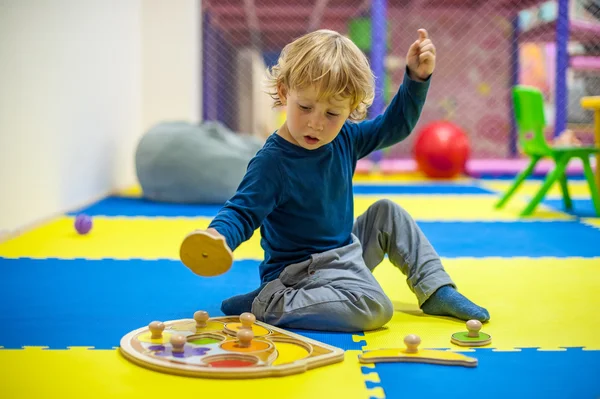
pixel 205 255
pixel 462 339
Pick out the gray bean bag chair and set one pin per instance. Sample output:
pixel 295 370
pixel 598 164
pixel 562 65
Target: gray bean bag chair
pixel 180 162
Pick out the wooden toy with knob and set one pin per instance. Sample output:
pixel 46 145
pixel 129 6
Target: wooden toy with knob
pixel 412 354
pixel 201 317
pixel 205 254
pixel 245 336
pixel 473 337
pixel 178 343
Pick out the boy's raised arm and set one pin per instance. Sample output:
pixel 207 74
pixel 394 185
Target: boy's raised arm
pixel 402 114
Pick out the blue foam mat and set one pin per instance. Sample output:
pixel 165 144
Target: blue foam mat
pixel 96 302
pixel 125 206
pixel 131 206
pixel 583 208
pixel 526 374
pixel 509 239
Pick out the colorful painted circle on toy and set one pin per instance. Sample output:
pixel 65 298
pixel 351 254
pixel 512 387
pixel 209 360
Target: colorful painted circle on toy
pixel 192 327
pixel 147 337
pixel 211 326
pixel 233 328
pixel 471 337
pixel 254 346
pixel 289 352
pixel 205 339
pixel 167 351
pixel 462 339
pixel 231 361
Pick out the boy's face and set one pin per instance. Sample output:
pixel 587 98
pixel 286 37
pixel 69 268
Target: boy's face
pixel 313 123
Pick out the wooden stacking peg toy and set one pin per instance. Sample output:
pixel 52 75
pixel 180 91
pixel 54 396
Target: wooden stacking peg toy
pixel 156 329
pixel 473 336
pixel 412 343
pixel 178 343
pixel 201 318
pixel 247 319
pixel 245 336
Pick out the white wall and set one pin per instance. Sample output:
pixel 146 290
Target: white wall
pixel 171 58
pixel 75 96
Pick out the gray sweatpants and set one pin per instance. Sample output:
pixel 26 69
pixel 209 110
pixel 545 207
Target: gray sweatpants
pixel 336 290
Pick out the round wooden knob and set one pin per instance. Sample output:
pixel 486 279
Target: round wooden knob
pixel 412 343
pixel 247 319
pixel 201 318
pixel 178 343
pixel 473 326
pixel 156 328
pixel 245 337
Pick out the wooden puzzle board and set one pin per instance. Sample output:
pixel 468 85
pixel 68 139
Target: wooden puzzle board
pixel 214 351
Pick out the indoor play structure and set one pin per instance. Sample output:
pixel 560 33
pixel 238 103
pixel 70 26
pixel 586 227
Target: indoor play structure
pixel 551 44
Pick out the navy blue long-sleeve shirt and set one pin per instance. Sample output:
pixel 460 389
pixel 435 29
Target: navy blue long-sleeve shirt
pixel 301 199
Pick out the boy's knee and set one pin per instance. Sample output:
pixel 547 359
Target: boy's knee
pixel 390 208
pixel 387 205
pixel 373 314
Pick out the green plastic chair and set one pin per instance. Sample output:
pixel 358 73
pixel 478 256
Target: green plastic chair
pixel 530 120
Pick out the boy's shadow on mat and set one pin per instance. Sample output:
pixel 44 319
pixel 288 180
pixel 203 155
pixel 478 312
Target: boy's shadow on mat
pixel 412 309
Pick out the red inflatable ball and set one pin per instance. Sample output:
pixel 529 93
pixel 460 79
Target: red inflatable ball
pixel 441 150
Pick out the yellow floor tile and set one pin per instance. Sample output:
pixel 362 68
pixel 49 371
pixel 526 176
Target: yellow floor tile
pixel 459 207
pixel 117 238
pixel 547 303
pixel 577 188
pixel 83 373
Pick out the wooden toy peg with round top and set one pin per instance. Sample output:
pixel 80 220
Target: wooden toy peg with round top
pixel 156 329
pixel 247 319
pixel 178 343
pixel 206 253
pixel 473 336
pixel 201 317
pixel 412 343
pixel 245 336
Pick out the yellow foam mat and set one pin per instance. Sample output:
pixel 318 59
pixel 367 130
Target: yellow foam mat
pixel 133 191
pixel 577 188
pixel 459 207
pixel 413 177
pixel 159 238
pixel 374 178
pixel 592 222
pixel 118 238
pixel 83 373
pixel 547 303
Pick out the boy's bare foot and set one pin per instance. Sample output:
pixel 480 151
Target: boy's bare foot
pixel 205 254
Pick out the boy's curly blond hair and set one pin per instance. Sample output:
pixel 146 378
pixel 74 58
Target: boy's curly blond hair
pixel 330 62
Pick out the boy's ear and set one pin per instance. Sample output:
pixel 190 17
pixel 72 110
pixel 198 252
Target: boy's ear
pixel 282 92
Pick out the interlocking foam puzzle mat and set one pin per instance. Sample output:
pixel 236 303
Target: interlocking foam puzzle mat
pixel 67 299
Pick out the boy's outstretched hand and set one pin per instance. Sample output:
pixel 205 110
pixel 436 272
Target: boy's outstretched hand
pixel 420 59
